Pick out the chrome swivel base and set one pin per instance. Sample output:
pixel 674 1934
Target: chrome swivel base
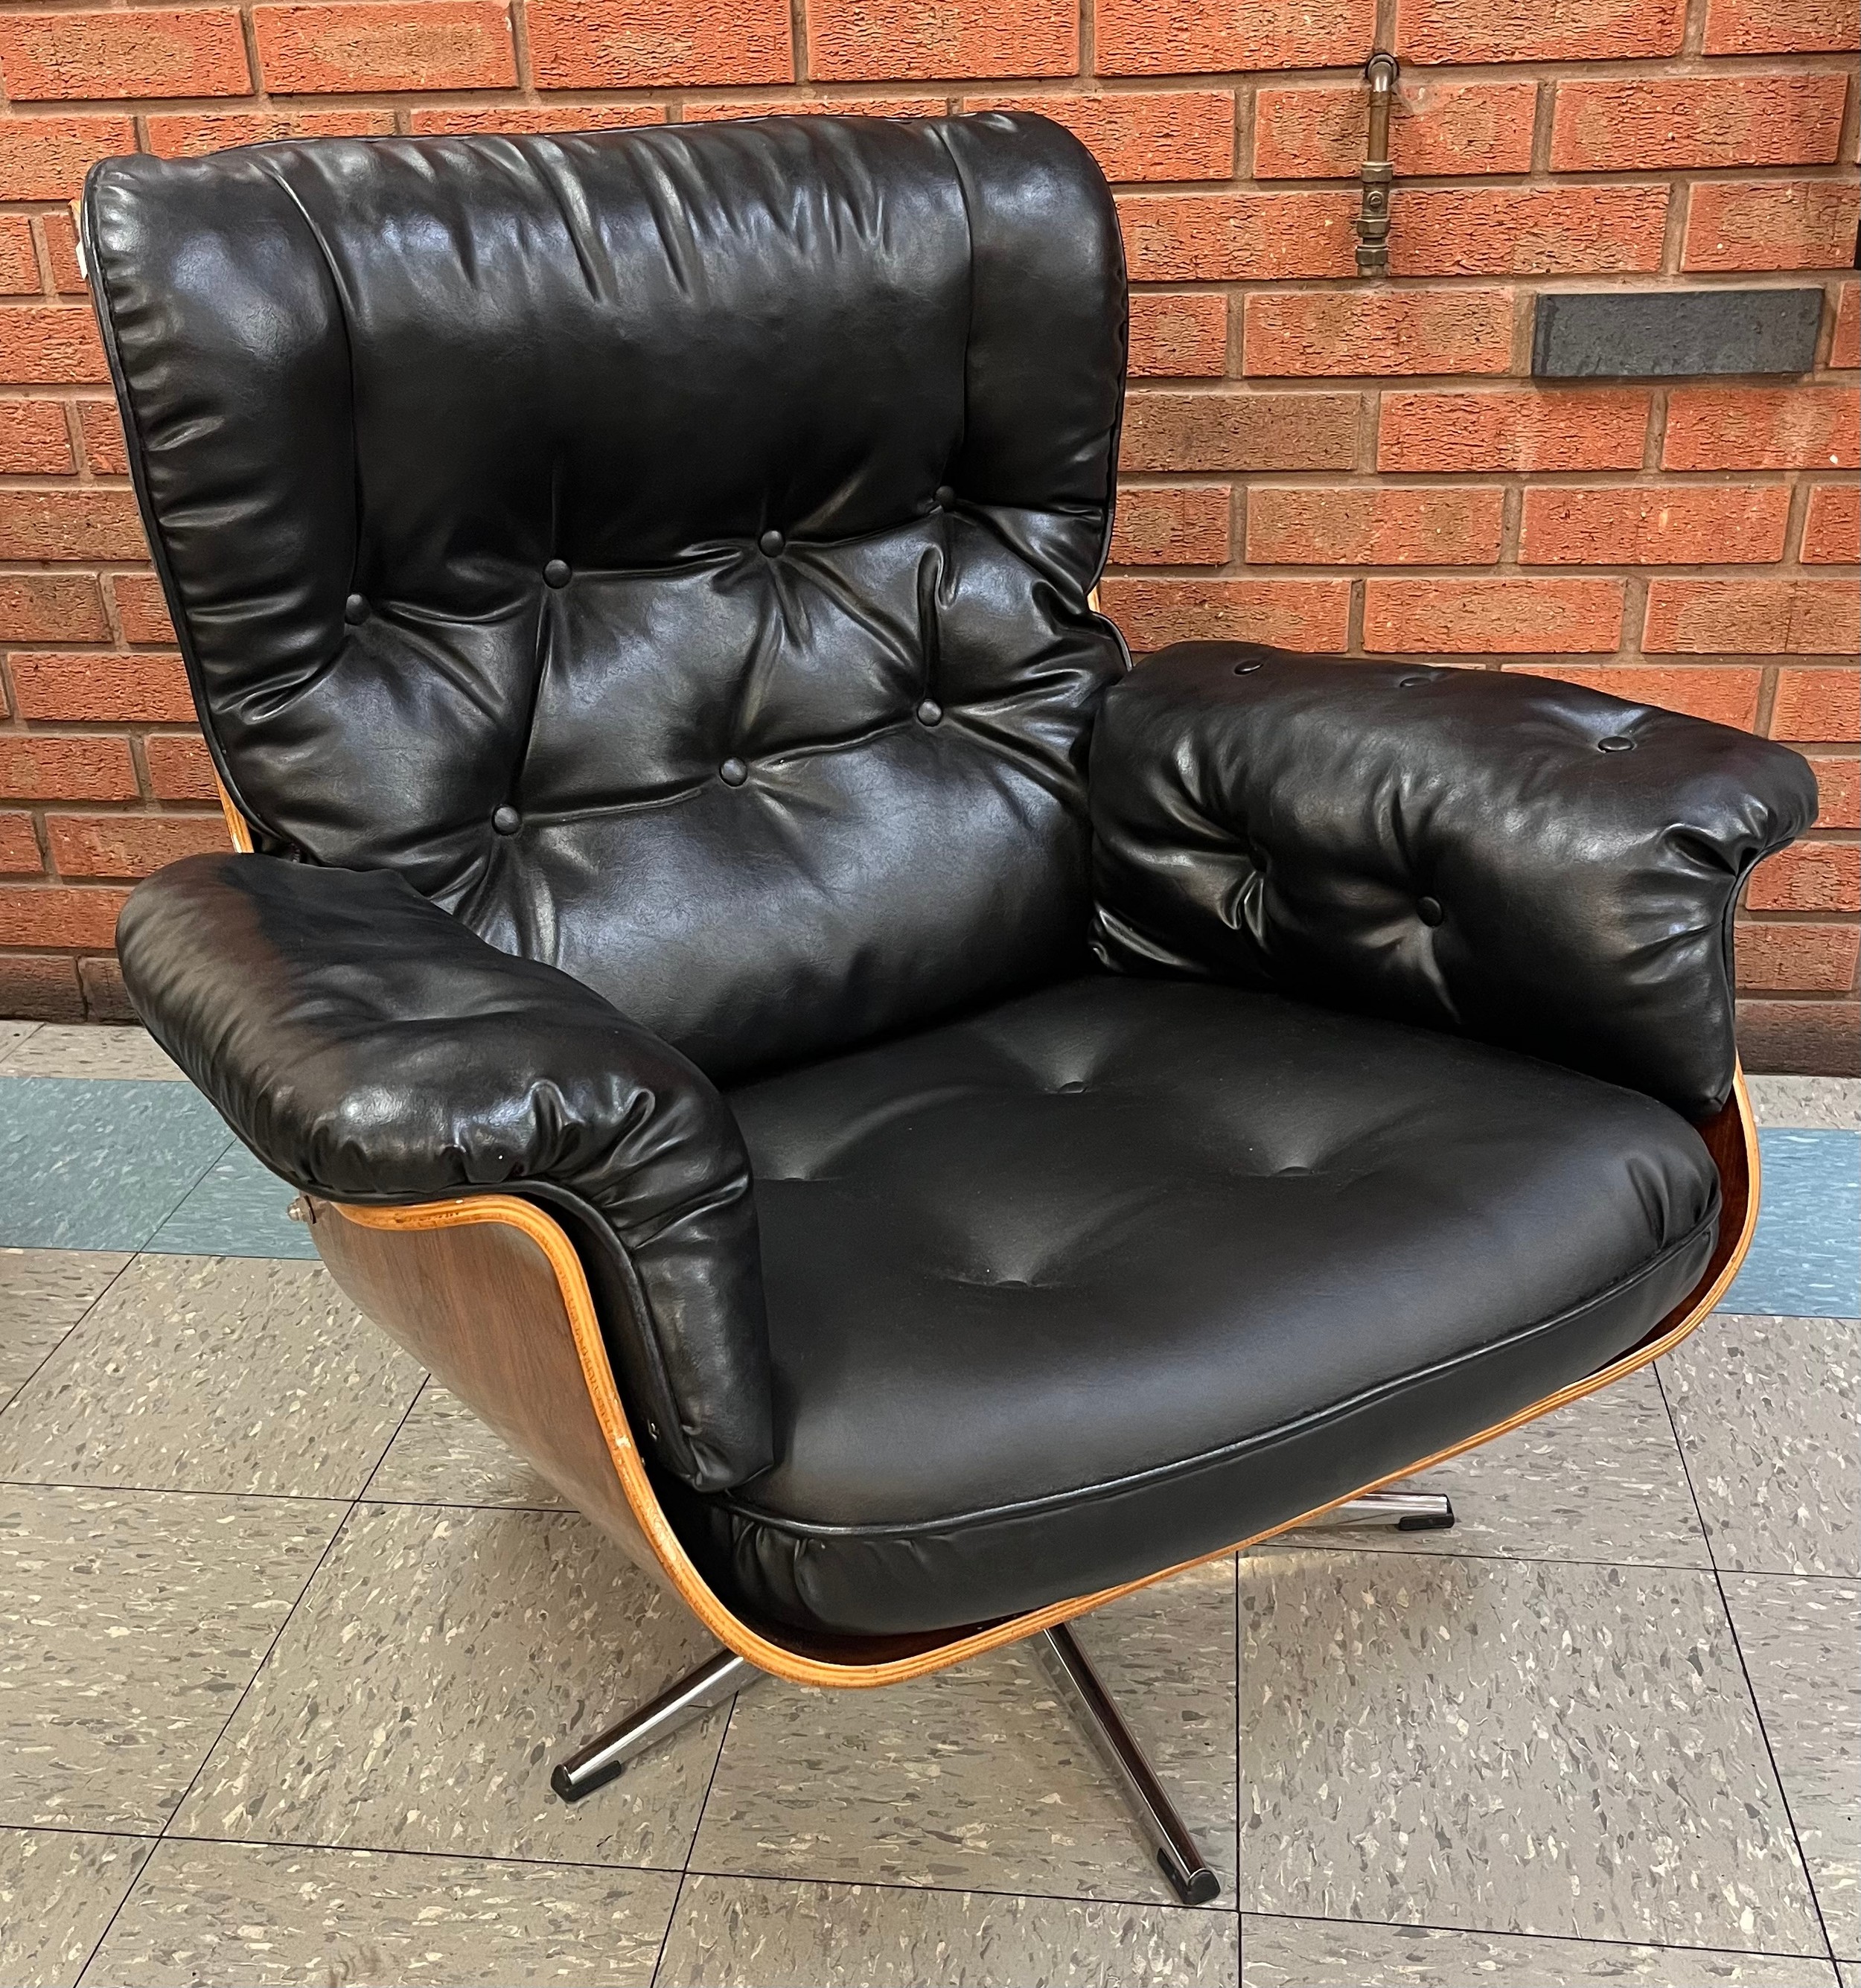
pixel 1178 1856
pixel 724 1675
pixel 595 1765
pixel 1405 1511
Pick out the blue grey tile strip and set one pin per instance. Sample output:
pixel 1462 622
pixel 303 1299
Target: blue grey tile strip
pixel 237 1210
pixel 1805 1259
pixel 89 1163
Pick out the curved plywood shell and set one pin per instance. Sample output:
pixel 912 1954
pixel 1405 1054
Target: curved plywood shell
pixel 490 1292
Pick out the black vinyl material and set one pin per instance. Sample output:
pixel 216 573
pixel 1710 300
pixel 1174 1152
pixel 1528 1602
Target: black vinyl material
pixel 1126 1270
pixel 1526 861
pixel 370 1048
pixel 636 587
pixel 667 549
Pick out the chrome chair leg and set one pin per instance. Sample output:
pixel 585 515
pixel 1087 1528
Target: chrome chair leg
pixel 596 1764
pixel 1407 1511
pixel 1177 1853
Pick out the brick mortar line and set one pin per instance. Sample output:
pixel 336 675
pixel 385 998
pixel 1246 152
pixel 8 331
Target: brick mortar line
pixel 1684 64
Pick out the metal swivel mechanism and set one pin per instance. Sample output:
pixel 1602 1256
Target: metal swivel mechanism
pixel 1188 1872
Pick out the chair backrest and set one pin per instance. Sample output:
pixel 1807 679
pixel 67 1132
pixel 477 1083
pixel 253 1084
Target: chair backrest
pixel 669 549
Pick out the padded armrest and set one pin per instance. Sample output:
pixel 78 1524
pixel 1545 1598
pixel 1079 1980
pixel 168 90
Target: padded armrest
pixel 1511 857
pixel 370 1048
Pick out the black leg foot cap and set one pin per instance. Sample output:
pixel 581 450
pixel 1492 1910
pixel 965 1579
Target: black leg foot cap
pixel 1200 1888
pixel 572 1789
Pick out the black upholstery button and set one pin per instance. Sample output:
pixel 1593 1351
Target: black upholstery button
pixel 930 711
pixel 355 609
pixel 771 542
pixel 557 574
pixel 1414 683
pixel 1616 743
pixel 733 772
pixel 507 820
pixel 1247 669
pixel 945 496
pixel 1429 910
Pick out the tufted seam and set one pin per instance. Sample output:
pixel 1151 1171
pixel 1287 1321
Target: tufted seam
pixel 343 318
pixel 969 335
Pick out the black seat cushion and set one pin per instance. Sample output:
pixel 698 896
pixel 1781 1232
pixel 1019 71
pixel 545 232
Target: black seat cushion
pixel 1124 1271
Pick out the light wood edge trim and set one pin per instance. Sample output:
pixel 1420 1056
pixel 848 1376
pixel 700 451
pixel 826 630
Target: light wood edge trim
pixel 579 1304
pixel 237 826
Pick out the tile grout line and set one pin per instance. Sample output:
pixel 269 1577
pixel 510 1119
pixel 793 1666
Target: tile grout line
pixel 665 1939
pixel 121 1270
pixel 33 1029
pixel 909 1890
pixel 691 1849
pixel 1559 1938
pixel 151 1838
pixel 284 1497
pixel 1731 1624
pixel 374 1470
pixel 206 1752
pixel 1241 1833
pixel 142 1248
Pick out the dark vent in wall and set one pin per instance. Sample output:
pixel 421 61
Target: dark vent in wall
pixel 1643 334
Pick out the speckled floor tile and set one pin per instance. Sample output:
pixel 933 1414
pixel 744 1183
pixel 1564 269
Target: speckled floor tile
pixel 980 1777
pixel 441 1662
pixel 1806 1258
pixel 444 1455
pixel 743 1932
pixel 131 1623
pixel 1600 1480
pixel 246 1915
pixel 1510 1746
pixel 1767 1410
pixel 1329 1953
pixel 98 1166
pixel 214 1373
pixel 12 1035
pixel 76 1048
pixel 238 1209
pixel 43 1293
pixel 1830 1103
pixel 1801 1640
pixel 1849 1973
pixel 57 1891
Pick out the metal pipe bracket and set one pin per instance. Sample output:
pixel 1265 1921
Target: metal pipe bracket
pixel 1376 174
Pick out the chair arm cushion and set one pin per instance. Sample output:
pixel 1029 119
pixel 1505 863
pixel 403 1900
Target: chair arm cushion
pixel 369 1047
pixel 1514 858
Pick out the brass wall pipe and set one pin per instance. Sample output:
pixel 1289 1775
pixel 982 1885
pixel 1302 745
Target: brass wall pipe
pixel 1376 173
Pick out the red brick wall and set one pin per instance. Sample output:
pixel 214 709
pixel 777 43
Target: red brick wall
pixel 1363 468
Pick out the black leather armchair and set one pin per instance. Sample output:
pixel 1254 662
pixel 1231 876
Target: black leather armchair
pixel 914 1128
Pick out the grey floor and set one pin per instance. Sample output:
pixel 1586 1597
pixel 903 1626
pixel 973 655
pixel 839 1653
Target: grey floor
pixel 289 1644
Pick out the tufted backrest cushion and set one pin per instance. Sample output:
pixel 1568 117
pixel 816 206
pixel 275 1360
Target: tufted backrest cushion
pixel 668 549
